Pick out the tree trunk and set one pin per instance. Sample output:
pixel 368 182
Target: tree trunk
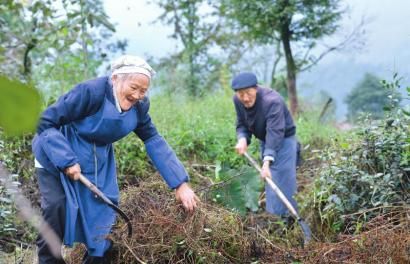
pixel 291 70
pixel 191 49
pixel 27 61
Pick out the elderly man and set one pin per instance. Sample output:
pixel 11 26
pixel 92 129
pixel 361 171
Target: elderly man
pixel 263 113
pixel 75 136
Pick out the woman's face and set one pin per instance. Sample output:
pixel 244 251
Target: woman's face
pixel 130 89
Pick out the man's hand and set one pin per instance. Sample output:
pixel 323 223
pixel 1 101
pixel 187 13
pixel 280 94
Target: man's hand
pixel 242 146
pixel 265 173
pixel 187 197
pixel 73 172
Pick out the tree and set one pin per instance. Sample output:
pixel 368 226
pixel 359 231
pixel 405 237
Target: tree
pixel 193 34
pixel 297 22
pixel 40 32
pixel 370 96
pixel 201 31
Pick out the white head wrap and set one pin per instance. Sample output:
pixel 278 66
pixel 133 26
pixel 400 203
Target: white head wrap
pixel 131 64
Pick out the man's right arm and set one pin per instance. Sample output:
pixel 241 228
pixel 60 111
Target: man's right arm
pixel 242 132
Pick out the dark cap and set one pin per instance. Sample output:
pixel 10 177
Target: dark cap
pixel 244 80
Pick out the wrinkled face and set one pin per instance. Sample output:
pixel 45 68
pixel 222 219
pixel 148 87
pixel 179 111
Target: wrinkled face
pixel 130 89
pixel 247 96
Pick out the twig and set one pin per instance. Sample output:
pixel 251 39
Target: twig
pixel 202 176
pixel 219 184
pixel 135 256
pixel 376 208
pixel 16 242
pixel 269 242
pixel 206 166
pixel 327 252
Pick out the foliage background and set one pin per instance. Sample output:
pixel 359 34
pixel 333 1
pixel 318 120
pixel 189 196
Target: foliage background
pixel 347 179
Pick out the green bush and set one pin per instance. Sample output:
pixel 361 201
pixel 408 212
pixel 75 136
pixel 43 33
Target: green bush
pixel 7 214
pixel 371 171
pixel 132 161
pixel 15 155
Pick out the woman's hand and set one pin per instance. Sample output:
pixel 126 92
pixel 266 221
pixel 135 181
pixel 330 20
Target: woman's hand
pixel 241 146
pixel 187 197
pixel 73 172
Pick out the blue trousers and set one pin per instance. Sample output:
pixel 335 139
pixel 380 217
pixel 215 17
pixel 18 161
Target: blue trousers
pixel 283 171
pixel 53 211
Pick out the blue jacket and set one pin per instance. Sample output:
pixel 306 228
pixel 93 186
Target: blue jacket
pixel 80 128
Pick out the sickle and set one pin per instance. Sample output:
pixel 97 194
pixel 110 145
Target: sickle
pixel 105 199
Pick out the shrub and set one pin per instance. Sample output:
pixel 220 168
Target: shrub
pixel 372 170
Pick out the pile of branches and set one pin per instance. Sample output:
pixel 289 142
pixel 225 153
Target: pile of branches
pixel 165 233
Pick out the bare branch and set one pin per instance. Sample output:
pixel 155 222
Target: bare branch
pixel 279 56
pixel 354 35
pixel 177 25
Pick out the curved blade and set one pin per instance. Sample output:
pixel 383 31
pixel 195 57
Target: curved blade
pixel 124 216
pixel 105 199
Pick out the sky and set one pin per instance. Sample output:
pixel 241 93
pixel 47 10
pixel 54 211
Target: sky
pixel 387 38
pixel 387 31
pixel 134 21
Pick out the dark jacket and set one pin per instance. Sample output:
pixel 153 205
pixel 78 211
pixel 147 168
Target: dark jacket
pixel 268 119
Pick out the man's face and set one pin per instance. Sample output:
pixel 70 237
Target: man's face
pixel 247 96
pixel 130 89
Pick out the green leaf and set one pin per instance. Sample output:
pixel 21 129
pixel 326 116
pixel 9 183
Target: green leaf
pixel 251 184
pixel 241 192
pixel 231 196
pixel 344 145
pixel 20 107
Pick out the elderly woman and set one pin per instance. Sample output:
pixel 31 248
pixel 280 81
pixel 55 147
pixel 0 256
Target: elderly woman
pixel 75 136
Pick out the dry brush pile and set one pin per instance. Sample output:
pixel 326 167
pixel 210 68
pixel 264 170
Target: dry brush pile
pixel 164 233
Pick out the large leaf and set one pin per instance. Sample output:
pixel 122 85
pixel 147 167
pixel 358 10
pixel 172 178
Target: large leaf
pixel 251 185
pixel 231 196
pixel 241 189
pixel 20 107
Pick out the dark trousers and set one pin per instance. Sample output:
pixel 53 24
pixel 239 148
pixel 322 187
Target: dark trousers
pixel 53 211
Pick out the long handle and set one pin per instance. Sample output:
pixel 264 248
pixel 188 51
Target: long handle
pixel 305 227
pixel 274 187
pixel 105 199
pixel 95 190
